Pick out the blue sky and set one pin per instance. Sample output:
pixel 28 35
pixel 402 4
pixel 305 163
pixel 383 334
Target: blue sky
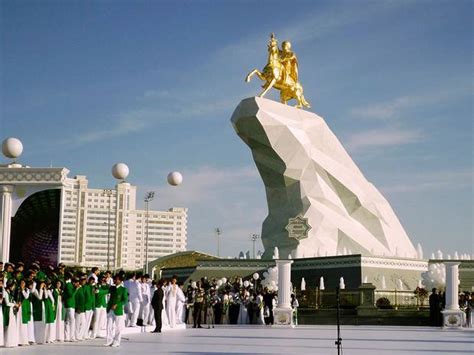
pixel 86 84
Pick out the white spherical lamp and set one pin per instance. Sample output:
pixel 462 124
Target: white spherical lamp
pixel 12 147
pixel 256 276
pixel 175 178
pixel 120 171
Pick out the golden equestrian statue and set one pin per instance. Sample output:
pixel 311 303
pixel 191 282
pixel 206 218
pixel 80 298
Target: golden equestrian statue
pixel 281 73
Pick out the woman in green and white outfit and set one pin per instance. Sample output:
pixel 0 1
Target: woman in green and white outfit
pixel 50 315
pixel 60 311
pixel 24 313
pixel 39 293
pixel 31 323
pixel 9 316
pixel 1 314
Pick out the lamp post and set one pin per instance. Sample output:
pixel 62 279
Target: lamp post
pixel 254 238
pixel 148 197
pixel 108 193
pixel 218 232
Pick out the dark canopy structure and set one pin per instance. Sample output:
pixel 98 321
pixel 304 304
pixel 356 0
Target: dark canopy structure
pixel 35 229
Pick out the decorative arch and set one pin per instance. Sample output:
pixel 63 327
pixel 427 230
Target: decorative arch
pixel 35 228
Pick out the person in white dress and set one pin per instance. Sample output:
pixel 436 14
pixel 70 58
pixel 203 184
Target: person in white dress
pixel 180 306
pixel 164 316
pixel 261 306
pixel 171 298
pixel 58 297
pixel 11 326
pixel 243 312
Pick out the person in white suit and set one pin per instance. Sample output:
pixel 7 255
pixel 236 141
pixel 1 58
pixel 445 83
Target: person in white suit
pixel 134 300
pixel 146 298
pixel 151 313
pixel 180 306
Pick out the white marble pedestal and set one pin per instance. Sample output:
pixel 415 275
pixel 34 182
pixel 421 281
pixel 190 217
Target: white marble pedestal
pixel 453 317
pixel 283 313
pixel 283 317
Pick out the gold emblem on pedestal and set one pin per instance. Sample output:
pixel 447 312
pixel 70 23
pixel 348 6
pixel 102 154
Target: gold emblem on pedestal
pixel 281 73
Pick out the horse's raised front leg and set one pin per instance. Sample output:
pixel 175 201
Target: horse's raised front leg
pixel 249 75
pixel 267 87
pixel 252 73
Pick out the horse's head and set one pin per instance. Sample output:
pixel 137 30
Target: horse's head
pixel 272 43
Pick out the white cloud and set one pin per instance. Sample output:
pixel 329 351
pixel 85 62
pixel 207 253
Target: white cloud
pixel 385 137
pixel 397 107
pixel 431 181
pixel 206 184
pixel 385 110
pixel 140 119
pixel 156 94
pixel 310 27
pixel 230 198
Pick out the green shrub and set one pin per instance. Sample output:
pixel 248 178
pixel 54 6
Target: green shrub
pixel 383 303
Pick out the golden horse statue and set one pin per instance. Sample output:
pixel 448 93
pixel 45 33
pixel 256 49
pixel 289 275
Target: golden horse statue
pixel 281 73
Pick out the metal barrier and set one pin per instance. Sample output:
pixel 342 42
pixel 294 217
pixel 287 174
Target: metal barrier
pixel 350 298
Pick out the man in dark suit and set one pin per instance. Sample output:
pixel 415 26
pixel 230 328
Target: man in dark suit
pixel 435 308
pixel 157 304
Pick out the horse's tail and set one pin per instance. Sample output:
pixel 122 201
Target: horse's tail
pixel 304 102
pixel 300 96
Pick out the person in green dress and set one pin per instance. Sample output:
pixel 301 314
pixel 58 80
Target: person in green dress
pixel 115 312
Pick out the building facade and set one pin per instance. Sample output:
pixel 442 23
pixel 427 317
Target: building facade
pixel 49 217
pixel 101 227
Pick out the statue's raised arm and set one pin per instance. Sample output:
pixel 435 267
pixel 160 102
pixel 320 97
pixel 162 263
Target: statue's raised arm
pixel 281 73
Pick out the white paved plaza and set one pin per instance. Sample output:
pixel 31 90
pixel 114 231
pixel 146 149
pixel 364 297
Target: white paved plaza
pixel 263 340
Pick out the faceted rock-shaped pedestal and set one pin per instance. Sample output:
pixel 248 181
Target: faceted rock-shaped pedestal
pixel 309 176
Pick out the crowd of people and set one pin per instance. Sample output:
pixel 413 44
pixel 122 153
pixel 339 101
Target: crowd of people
pixel 230 302
pixel 46 305
pixel 437 302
